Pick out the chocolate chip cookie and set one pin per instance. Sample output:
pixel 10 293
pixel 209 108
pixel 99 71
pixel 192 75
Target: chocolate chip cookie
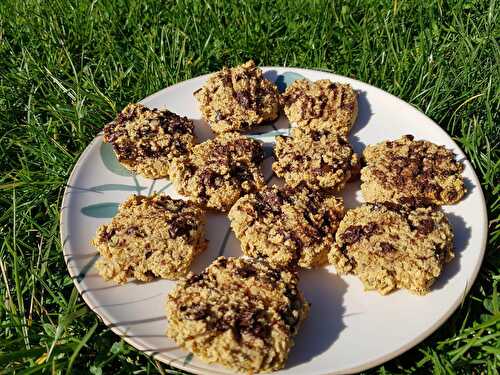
pixel 319 158
pixel 150 237
pixel 321 104
pixel 238 98
pixel 146 140
pixel 220 170
pixel 287 226
pixel 391 246
pixel 404 169
pixel 240 313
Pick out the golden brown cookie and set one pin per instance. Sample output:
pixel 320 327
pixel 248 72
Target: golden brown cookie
pixel 150 237
pixel 321 104
pixel 146 140
pixel 319 158
pixel 390 246
pixel 220 170
pixel 236 99
pixel 406 169
pixel 240 313
pixel 287 226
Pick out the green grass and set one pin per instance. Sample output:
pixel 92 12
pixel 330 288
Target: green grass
pixel 67 66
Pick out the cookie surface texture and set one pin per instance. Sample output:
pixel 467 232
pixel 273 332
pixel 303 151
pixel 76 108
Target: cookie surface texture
pixel 237 99
pixel 150 237
pixel 239 312
pixel 287 226
pixel 321 104
pixel 220 170
pixel 407 169
pixel 321 159
pixel 390 246
pixel 146 140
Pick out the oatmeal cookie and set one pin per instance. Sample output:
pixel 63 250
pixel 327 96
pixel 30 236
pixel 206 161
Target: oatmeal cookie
pixel 150 237
pixel 390 246
pixel 240 313
pixel 146 140
pixel 319 158
pixel 287 226
pixel 220 170
pixel 405 168
pixel 238 98
pixel 321 104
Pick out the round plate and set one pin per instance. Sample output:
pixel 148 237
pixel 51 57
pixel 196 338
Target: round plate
pixel 348 329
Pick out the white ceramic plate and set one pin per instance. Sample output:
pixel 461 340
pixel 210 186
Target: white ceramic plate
pixel 348 330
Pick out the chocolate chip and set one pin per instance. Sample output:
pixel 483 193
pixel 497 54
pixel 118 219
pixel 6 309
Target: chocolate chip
pixel 343 249
pixel 288 317
pixel 240 173
pixel 135 231
pixel 219 116
pixel 261 208
pixel 166 203
pixel 181 226
pixel 297 241
pixel 394 207
pixel 124 117
pixel 106 236
pixel 431 188
pixel 370 228
pixel 425 226
pixel 243 98
pixel 209 178
pixel 379 174
pixel 181 147
pixel 312 205
pixel 316 135
pixel 352 234
pixel 356 232
pixel 327 219
pixel 124 151
pixel 196 312
pixel 251 322
pixel 246 271
pixel 222 262
pixel 190 169
pixel 386 247
pixel 274 275
pixel 222 325
pixel 246 319
pixel 111 135
pixel 249 146
pixel 272 198
pixel 258 155
pixel 452 195
pixel 195 279
pixel 150 153
pixel 172 123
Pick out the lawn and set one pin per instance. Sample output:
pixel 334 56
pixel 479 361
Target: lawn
pixel 66 67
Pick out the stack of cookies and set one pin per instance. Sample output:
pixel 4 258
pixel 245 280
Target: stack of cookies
pixel 243 312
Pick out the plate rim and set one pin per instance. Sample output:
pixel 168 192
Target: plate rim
pixel 195 369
